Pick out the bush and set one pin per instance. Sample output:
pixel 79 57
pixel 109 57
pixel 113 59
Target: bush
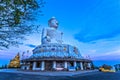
pixel 106 66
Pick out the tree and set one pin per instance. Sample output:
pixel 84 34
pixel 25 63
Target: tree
pixel 0 67
pixel 93 66
pixel 106 66
pixel 14 15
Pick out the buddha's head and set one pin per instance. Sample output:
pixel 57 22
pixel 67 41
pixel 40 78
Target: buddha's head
pixel 53 23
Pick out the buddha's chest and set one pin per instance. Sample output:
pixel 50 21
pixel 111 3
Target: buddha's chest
pixel 53 33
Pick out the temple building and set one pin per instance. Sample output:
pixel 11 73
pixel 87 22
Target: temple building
pixel 54 54
pixel 15 62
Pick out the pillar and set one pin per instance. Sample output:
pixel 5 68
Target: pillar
pixel 54 64
pixel 89 65
pixel 28 67
pixel 34 65
pixel 43 65
pixel 65 64
pixel 81 66
pixel 84 66
pixel 75 64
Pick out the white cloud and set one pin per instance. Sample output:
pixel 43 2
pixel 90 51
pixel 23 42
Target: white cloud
pixel 112 55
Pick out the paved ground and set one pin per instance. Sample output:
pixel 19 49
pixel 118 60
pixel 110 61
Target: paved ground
pixel 83 76
pixel 48 73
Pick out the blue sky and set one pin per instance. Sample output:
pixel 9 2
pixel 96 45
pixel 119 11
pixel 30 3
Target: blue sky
pixel 91 25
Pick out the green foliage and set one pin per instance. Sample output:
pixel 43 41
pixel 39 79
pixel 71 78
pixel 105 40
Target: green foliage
pixel 105 66
pixel 14 15
pixel 93 66
pixel 14 11
pixel 3 66
pixel 117 67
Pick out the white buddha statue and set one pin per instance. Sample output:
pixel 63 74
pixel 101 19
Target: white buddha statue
pixel 51 34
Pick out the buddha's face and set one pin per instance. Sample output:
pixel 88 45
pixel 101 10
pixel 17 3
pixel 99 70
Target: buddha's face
pixel 53 23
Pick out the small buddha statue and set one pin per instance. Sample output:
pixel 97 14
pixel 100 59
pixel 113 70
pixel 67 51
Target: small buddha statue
pixel 51 34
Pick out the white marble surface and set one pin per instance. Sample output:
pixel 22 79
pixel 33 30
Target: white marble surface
pixel 57 52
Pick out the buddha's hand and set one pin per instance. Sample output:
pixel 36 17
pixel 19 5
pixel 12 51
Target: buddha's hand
pixel 60 41
pixel 48 38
